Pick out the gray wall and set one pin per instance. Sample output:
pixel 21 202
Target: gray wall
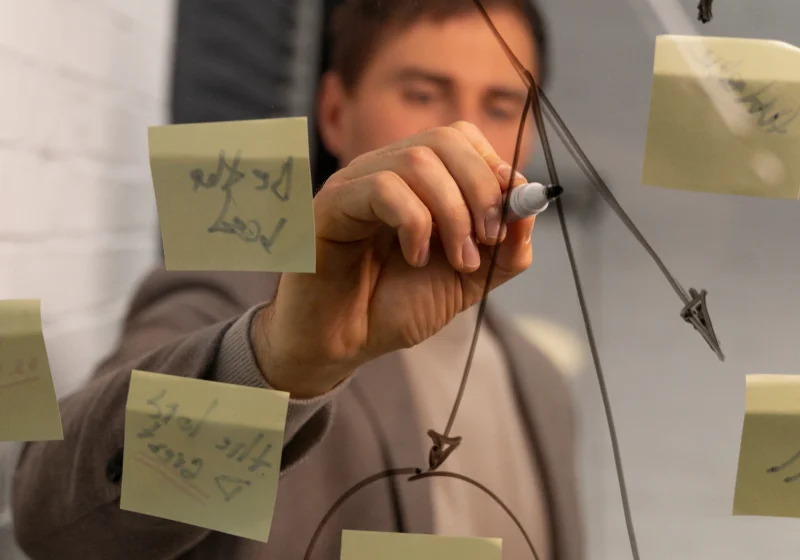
pixel 678 410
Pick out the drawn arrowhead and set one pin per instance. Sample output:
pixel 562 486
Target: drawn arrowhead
pixel 443 446
pixel 704 11
pixel 696 313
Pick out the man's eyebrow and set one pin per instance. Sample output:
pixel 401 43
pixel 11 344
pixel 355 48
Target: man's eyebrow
pixel 410 73
pixel 507 94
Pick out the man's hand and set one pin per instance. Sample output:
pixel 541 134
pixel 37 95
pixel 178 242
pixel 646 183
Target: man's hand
pixel 403 236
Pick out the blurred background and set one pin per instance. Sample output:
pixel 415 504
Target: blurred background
pixel 82 79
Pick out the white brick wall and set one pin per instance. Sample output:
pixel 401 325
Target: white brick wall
pixel 80 81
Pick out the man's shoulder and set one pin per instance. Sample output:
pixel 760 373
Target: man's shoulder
pixel 241 289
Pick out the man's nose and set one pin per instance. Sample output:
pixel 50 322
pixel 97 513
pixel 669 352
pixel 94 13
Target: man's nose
pixel 468 110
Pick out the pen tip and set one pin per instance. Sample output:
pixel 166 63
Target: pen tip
pixel 554 191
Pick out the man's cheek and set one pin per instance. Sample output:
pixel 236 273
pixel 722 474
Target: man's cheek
pixel 506 147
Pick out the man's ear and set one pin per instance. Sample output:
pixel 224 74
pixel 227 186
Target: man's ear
pixel 331 109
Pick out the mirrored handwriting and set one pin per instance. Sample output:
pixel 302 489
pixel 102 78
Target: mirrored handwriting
pixel 224 459
pixel 16 369
pixel 772 113
pixel 228 175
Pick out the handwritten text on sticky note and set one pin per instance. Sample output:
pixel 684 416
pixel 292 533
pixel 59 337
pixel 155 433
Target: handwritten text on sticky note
pixel 234 195
pixel 28 405
pixel 768 478
pixel 372 545
pixel 203 453
pixel 724 117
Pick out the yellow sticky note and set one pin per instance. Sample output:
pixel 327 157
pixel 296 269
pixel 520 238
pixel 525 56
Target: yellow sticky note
pixel 234 195
pixel 724 117
pixel 768 479
pixel 373 545
pixel 203 453
pixel 28 405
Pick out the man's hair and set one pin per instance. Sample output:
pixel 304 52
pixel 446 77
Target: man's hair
pixel 357 25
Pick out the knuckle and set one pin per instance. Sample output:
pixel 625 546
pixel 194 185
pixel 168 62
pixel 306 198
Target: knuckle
pixel 465 127
pixel 420 156
pixel 385 184
pixel 447 135
pixel 474 136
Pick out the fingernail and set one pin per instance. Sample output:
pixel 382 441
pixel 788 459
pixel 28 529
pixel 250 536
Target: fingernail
pixel 470 256
pixel 492 223
pixel 424 254
pixel 504 172
pixel 528 238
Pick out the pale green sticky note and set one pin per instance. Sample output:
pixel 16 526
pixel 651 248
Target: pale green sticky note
pixel 234 195
pixel 28 404
pixel 373 545
pixel 203 453
pixel 724 117
pixel 768 478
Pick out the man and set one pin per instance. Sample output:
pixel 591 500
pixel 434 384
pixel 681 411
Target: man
pixel 371 347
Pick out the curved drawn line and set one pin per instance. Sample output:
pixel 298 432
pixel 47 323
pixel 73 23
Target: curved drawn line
pixel 346 496
pixel 485 490
pixel 414 475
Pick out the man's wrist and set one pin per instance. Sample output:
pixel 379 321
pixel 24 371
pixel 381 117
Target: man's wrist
pixel 283 370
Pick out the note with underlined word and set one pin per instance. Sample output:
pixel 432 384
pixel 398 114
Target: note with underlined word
pixel 768 477
pixel 724 117
pixel 203 453
pixel 234 195
pixel 28 404
pixel 374 545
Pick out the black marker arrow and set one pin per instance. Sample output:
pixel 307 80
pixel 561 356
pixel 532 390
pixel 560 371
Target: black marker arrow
pixel 704 11
pixel 695 312
pixel 540 101
pixel 443 446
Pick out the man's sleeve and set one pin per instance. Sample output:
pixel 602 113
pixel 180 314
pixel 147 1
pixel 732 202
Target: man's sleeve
pixel 65 495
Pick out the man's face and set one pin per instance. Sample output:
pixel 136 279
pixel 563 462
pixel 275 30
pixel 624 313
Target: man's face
pixel 433 74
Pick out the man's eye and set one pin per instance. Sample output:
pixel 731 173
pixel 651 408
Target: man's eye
pixel 500 114
pixel 421 97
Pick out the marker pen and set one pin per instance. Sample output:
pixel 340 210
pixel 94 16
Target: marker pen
pixel 530 199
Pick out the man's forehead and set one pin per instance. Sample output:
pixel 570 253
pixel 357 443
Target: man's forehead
pixel 461 49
